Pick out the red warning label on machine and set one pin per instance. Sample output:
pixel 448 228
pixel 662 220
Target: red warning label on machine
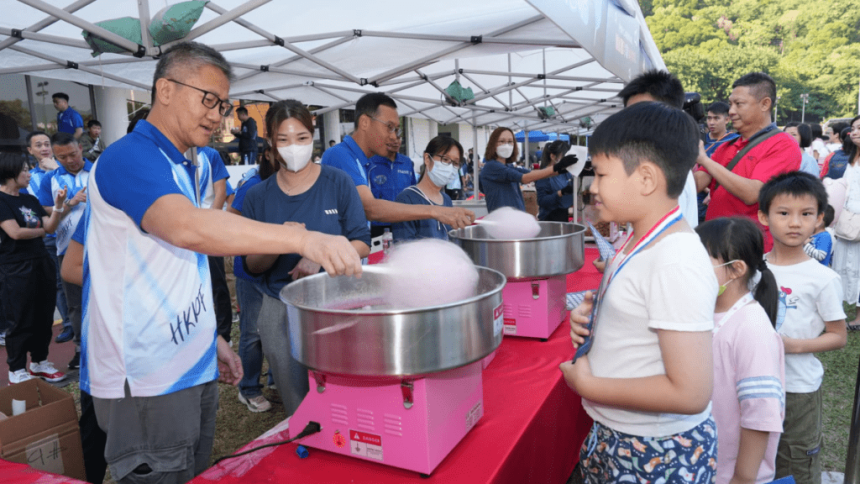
pixel 365 445
pixel 498 320
pixel 510 326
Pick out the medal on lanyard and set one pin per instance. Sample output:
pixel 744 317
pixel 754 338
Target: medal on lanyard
pixel 619 261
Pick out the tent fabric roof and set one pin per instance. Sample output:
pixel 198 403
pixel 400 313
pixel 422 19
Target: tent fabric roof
pixel 516 55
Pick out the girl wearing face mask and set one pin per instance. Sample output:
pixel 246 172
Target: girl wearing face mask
pixel 554 194
pixel 500 180
pixel 441 164
pixel 323 199
pixel 749 361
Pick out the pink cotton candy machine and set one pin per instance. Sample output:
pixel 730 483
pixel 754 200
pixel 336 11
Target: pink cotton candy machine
pixel 400 387
pixel 536 270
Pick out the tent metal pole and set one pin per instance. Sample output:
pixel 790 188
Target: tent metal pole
pixel 476 161
pixel 144 16
pixel 46 22
pixel 316 60
pixel 248 44
pixel 507 106
pixel 222 19
pixel 294 58
pixel 326 91
pixel 292 72
pixel 333 108
pixel 419 81
pixel 80 67
pixel 437 87
pixel 30 104
pixel 548 76
pixel 463 38
pixel 257 91
pixel 31 69
pixel 54 39
pixel 78 22
pixel 55 66
pixel 522 83
pixel 431 118
pixel 544 98
pixel 450 50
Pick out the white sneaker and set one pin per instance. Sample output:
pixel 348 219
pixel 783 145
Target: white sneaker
pixel 46 371
pixel 256 404
pixel 19 376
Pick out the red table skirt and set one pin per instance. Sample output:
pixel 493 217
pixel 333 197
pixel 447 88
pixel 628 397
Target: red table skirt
pixel 12 473
pixel 531 431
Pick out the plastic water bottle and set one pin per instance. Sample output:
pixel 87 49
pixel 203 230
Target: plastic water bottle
pixel 387 239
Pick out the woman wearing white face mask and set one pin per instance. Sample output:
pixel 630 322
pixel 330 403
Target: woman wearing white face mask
pixel 500 180
pixel 323 199
pixel 441 164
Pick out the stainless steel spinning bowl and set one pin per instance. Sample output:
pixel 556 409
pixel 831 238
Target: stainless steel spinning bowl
pixel 338 326
pixel 557 249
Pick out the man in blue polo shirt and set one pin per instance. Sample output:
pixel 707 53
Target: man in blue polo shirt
pixel 68 120
pixel 149 331
pixel 72 175
pixel 389 175
pixel 377 126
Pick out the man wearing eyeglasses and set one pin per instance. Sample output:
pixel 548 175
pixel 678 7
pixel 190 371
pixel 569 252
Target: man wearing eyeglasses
pixel 377 126
pixel 150 356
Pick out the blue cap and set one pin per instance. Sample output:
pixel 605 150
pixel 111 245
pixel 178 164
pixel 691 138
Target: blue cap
pixel 301 451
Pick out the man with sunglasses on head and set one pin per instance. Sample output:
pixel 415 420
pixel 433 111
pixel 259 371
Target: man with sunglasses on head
pixel 377 126
pixel 151 358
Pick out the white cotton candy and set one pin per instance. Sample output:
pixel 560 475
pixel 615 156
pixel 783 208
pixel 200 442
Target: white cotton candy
pixel 428 272
pixel 510 224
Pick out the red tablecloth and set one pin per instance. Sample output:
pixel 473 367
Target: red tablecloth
pixel 12 473
pixel 531 431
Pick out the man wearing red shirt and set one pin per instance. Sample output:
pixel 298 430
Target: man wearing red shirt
pixel 734 192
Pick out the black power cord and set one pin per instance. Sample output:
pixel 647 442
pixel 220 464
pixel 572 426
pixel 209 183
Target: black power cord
pixel 310 429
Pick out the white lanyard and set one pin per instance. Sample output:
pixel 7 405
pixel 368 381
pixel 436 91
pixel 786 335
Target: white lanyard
pixel 748 298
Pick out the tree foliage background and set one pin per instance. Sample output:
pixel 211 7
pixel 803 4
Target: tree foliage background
pixel 806 46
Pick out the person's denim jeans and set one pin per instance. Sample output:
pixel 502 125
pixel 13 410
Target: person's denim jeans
pixel 250 298
pixel 62 307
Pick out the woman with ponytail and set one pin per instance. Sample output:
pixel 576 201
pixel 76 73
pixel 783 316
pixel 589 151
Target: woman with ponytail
pixel 749 368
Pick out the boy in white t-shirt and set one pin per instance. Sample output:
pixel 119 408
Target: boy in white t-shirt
pixel 810 317
pixel 647 379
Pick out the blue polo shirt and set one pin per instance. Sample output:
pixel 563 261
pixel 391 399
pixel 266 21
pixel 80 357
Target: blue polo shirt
pixel 330 206
pixel 501 185
pixel 347 156
pixel 389 178
pixel 548 199
pixel 238 200
pixel 69 120
pixel 420 229
pixel 711 144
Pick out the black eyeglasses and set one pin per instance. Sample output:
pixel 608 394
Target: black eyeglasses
pixel 210 100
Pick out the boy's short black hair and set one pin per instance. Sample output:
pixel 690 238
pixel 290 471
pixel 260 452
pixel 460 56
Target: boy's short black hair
pixel 60 95
pixel 93 122
pixel 829 215
pixel 719 107
pixel 654 132
pixel 11 165
pixel 661 85
pixel 796 184
pixel 369 105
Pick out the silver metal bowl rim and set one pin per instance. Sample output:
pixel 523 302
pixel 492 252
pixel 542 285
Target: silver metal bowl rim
pixel 452 234
pixel 398 311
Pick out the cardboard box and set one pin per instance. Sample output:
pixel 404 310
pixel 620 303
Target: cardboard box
pixel 46 436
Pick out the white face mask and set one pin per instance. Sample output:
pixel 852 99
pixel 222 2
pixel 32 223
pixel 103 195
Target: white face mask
pixel 505 151
pixel 296 156
pixel 442 174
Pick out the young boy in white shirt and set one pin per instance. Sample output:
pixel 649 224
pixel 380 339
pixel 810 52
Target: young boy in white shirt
pixel 647 379
pixel 810 317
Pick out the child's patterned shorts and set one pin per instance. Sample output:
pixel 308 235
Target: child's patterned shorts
pixel 688 457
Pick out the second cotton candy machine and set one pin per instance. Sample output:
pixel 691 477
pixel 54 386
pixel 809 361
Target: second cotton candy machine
pixel 399 387
pixel 536 269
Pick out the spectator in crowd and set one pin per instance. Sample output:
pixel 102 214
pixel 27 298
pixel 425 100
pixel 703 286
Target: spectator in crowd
pixel 27 273
pixel 500 180
pixel 388 176
pixel 39 147
pixel 818 148
pixel 140 114
pixel 91 142
pixel 331 143
pixel 441 164
pixel 247 135
pixel 455 189
pixel 836 162
pixel 834 142
pixel 68 120
pixel 554 194
pixel 142 200
pixel 71 177
pixel 318 197
pixel 802 134
pixel 846 253
pixel 738 169
pixel 718 133
pixel 663 87
pixel 376 126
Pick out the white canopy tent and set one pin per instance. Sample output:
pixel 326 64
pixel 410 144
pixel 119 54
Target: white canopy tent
pixel 516 55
